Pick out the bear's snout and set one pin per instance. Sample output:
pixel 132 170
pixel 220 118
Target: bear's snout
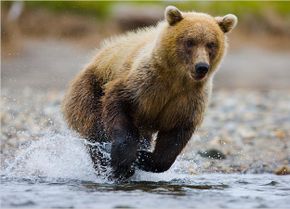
pixel 201 70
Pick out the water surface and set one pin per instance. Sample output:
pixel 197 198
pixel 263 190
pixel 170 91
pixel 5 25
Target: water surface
pixel 56 172
pixel 207 190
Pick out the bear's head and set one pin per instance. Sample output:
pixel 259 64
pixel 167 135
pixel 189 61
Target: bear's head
pixel 194 42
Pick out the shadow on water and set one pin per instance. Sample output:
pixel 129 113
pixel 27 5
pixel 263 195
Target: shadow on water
pixel 175 187
pixel 172 188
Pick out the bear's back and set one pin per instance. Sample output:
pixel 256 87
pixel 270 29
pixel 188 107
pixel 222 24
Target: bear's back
pixel 115 57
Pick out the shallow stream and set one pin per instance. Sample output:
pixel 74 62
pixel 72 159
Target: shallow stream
pixel 57 173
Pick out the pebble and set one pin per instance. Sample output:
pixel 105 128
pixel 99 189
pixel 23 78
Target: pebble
pixel 212 154
pixel 284 170
pixel 280 134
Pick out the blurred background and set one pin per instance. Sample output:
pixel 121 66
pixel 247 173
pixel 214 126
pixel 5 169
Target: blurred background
pixel 44 44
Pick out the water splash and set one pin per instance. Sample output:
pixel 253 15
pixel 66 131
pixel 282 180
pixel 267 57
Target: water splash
pixel 53 156
pixel 64 156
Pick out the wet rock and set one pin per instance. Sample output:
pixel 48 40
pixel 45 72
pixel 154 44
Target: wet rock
pixel 192 170
pixel 220 141
pixel 246 132
pixel 212 154
pixel 280 134
pixel 284 170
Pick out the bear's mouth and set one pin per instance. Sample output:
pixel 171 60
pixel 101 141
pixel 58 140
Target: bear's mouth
pixel 200 76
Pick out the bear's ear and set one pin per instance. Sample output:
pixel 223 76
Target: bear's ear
pixel 227 22
pixel 172 15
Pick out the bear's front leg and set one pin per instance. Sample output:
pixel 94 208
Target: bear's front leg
pixel 124 135
pixel 168 146
pixel 124 150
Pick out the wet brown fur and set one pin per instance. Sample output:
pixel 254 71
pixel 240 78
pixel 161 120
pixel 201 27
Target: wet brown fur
pixel 143 82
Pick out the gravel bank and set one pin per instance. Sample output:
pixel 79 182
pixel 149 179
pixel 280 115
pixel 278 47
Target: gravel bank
pixel 250 128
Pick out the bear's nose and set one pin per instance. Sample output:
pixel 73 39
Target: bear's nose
pixel 201 70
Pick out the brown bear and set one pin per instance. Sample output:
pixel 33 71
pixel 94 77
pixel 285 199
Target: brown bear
pixel 153 80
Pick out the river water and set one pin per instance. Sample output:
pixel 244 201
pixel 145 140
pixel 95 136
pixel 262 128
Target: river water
pixel 57 173
pixel 180 191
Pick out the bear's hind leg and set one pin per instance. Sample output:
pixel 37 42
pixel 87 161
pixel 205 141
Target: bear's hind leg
pixel 82 111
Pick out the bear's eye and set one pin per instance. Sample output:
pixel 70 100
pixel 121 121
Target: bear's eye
pixel 190 43
pixel 211 45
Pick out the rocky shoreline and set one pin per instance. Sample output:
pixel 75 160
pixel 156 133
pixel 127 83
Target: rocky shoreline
pixel 250 129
